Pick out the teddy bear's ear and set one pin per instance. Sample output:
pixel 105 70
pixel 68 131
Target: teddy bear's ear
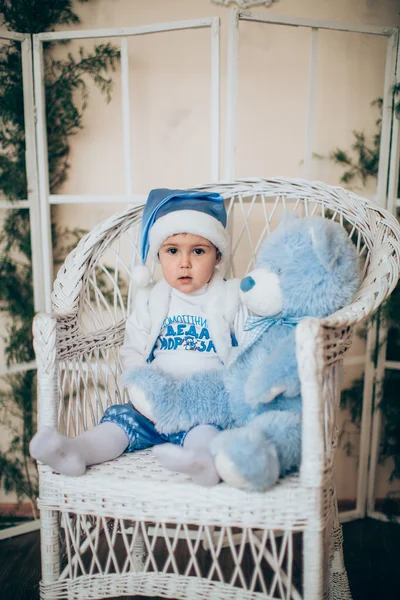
pixel 326 242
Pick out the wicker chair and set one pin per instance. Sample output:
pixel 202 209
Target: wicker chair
pixel 129 527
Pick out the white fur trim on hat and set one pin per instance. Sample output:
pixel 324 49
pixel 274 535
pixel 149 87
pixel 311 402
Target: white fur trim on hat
pixel 194 222
pixel 141 276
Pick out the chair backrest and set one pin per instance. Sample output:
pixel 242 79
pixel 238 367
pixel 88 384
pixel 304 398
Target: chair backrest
pixel 94 291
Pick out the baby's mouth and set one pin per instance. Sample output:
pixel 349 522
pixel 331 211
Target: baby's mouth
pixel 185 278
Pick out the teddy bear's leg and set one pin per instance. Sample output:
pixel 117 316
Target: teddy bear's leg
pixel 71 456
pixel 253 457
pixel 193 458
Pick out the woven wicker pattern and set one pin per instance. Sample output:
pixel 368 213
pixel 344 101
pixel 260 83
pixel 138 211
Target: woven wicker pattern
pixel 131 527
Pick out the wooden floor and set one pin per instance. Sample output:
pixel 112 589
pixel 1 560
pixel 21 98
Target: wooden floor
pixel 372 556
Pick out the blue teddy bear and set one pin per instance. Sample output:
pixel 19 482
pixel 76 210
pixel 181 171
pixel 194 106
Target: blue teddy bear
pixel 308 267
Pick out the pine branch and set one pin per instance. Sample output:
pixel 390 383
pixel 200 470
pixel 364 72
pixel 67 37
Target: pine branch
pixel 34 16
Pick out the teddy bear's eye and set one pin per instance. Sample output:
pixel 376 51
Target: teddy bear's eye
pixel 279 271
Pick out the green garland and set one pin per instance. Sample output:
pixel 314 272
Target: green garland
pixel 66 99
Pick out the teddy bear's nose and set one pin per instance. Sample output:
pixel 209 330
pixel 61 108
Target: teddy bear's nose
pixel 247 283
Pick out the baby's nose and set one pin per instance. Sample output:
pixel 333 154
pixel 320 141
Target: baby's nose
pixel 185 260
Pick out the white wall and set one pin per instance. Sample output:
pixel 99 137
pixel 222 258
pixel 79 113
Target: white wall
pixel 170 89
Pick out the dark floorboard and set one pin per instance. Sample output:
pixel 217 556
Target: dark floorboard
pixel 372 557
pixel 20 567
pixel 372 553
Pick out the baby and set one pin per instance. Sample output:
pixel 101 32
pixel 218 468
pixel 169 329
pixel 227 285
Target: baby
pixel 185 323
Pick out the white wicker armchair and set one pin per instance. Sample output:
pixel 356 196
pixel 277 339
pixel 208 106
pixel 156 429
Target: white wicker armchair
pixel 129 527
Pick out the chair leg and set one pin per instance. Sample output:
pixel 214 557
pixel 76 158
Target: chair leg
pixel 313 564
pixel 50 545
pixel 138 551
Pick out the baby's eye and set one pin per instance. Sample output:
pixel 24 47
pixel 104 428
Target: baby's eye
pixel 172 250
pixel 198 251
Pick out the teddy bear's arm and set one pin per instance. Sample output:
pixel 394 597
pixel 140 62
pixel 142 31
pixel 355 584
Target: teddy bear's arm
pixel 275 374
pixel 200 398
pixel 179 404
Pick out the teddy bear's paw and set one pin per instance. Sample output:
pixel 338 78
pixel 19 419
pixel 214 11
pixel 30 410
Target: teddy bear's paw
pixel 245 458
pixel 273 393
pixel 255 390
pixel 252 397
pixel 228 472
pixel 141 402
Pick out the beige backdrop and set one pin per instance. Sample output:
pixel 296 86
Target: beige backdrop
pixel 170 110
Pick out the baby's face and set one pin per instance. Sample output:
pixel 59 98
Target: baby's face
pixel 187 261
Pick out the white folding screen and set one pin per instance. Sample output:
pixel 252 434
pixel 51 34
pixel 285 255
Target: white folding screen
pixel 388 193
pixel 38 176
pixel 39 199
pixel 31 202
pixel 386 196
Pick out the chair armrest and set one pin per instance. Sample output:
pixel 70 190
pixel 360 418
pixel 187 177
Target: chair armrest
pixel 320 347
pixel 55 340
pixel 309 355
pixel 44 343
pixel 70 346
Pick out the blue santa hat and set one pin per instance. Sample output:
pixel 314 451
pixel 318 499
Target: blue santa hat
pixel 170 212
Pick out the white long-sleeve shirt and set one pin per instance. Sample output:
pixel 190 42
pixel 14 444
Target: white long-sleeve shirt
pixel 184 333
